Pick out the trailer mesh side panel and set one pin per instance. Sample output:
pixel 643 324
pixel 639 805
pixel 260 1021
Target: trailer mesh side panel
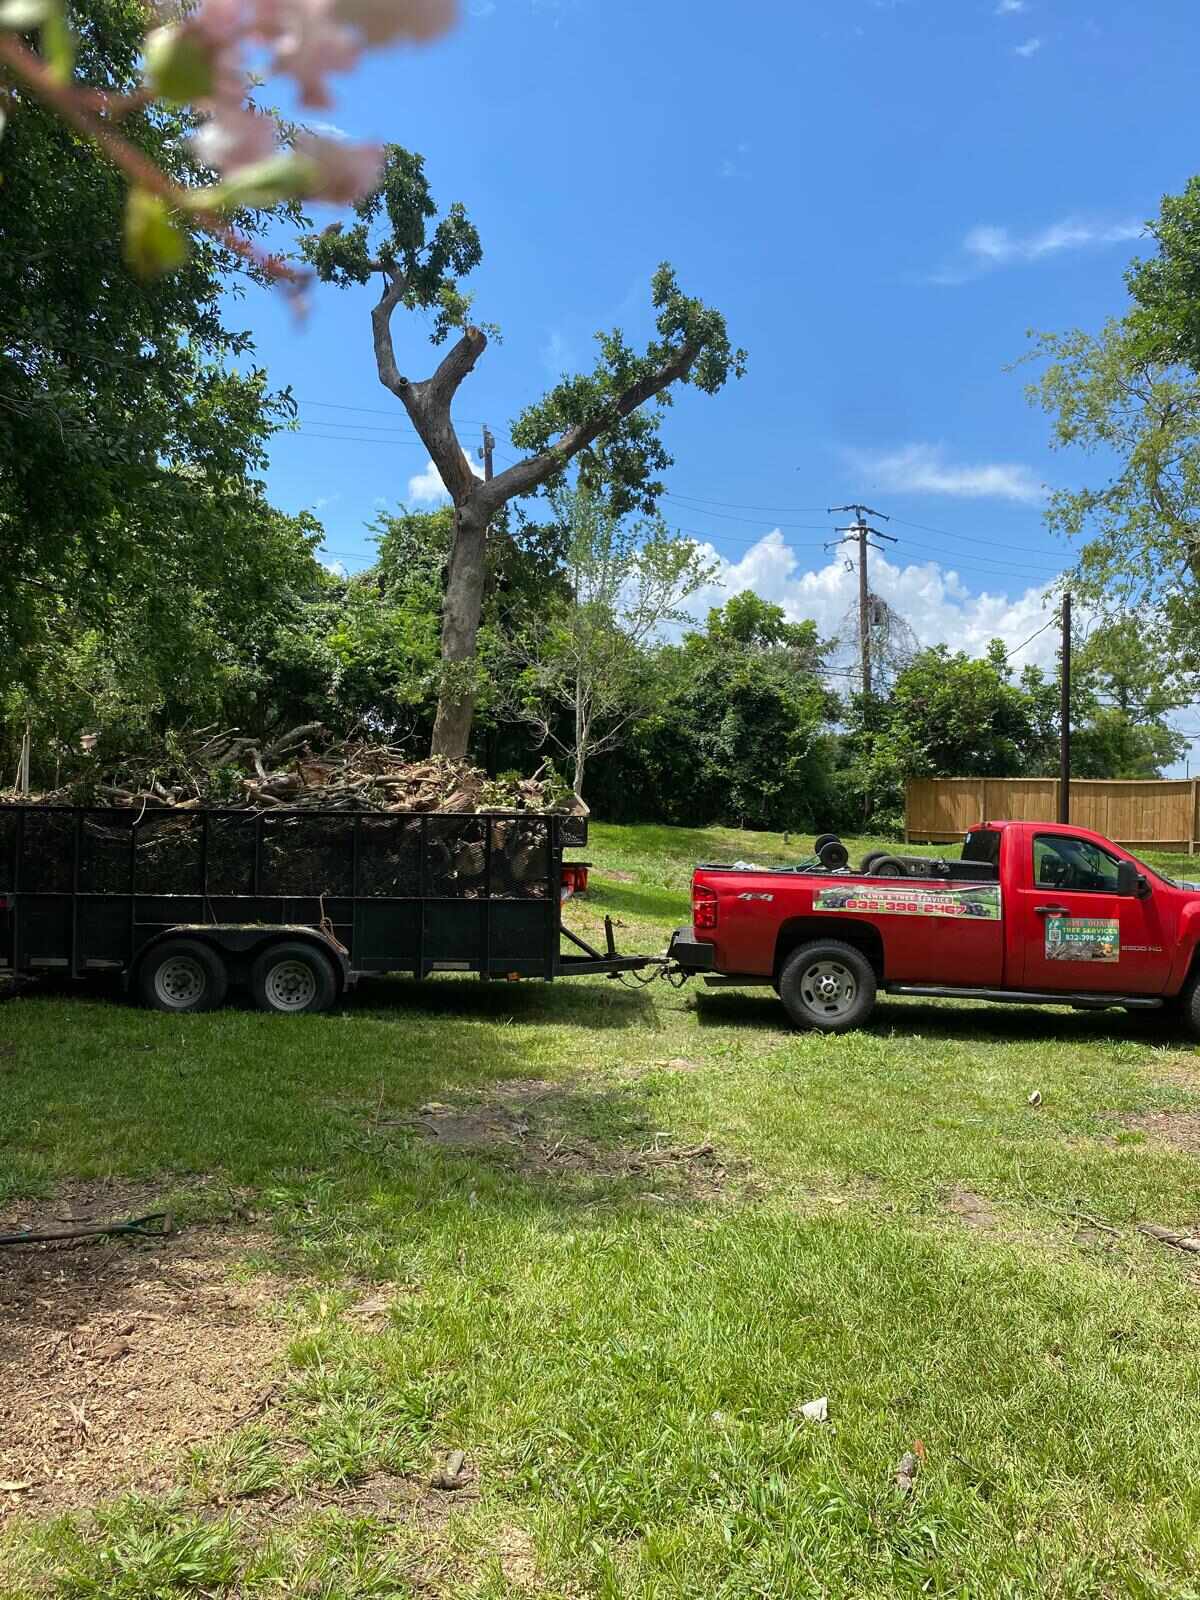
pixel 168 854
pixel 104 852
pixel 307 855
pixel 456 858
pixel 389 856
pixel 520 858
pixel 231 854
pixel 8 849
pixel 49 852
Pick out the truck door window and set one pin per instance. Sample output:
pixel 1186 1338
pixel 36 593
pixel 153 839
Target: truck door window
pixel 1079 865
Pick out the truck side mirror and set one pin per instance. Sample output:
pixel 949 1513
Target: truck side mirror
pixel 1130 881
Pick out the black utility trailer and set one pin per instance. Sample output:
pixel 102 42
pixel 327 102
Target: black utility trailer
pixel 295 904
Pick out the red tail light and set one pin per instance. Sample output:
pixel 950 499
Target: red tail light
pixel 704 906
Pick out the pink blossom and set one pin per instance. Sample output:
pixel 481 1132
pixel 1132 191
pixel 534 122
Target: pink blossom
pixel 234 136
pixel 380 21
pixel 221 22
pixel 345 170
pixel 311 46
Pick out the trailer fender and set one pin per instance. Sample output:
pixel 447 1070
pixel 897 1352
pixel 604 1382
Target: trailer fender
pixel 244 941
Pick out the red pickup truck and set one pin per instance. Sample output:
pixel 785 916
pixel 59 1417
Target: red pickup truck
pixel 1034 913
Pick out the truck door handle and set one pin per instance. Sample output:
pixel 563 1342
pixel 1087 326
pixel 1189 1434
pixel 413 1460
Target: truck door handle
pixel 1053 911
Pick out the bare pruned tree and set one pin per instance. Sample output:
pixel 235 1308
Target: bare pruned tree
pixel 596 419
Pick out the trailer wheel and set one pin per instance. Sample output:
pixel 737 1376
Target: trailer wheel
pixel 293 977
pixel 183 975
pixel 821 841
pixel 888 867
pixel 828 986
pixel 869 860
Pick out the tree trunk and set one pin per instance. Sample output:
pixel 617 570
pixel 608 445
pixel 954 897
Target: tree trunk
pixel 460 627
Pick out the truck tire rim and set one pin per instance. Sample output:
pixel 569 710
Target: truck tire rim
pixel 180 982
pixel 828 988
pixel 291 986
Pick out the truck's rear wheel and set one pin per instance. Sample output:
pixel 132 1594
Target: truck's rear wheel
pixel 293 978
pixel 183 975
pixel 828 986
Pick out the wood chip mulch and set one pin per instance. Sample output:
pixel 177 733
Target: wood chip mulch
pixel 115 1355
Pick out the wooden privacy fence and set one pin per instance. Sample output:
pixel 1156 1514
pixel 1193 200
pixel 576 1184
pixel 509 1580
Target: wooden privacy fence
pixel 1159 813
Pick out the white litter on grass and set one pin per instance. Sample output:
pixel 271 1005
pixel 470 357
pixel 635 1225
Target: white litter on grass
pixel 816 1410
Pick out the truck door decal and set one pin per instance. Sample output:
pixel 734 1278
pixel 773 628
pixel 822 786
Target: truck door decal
pixel 1083 939
pixel 978 901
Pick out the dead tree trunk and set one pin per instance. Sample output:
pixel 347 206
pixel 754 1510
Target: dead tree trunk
pixel 461 611
pixel 428 405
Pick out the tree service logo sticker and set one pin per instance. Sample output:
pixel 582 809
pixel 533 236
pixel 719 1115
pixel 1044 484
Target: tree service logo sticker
pixel 979 902
pixel 1083 939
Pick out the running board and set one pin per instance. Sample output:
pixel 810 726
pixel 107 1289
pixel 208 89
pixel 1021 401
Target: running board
pixel 1029 997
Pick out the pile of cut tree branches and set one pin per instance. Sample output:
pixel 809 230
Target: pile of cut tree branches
pixel 306 768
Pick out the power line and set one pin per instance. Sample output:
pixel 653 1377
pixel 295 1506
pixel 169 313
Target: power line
pixel 946 533
pixel 966 537
pixel 737 505
pixel 373 411
pixel 1016 648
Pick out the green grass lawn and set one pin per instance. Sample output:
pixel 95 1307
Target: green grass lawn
pixel 636 1230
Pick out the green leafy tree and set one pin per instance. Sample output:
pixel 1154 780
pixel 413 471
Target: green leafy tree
pixel 584 672
pixel 741 732
pixel 1130 397
pixel 1124 693
pixel 181 641
pixel 948 715
pixel 126 430
pixel 595 420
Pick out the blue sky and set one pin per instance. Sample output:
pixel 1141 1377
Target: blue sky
pixel 883 196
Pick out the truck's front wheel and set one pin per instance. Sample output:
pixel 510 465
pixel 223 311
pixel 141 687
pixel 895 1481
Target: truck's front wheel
pixel 829 986
pixel 1187 1006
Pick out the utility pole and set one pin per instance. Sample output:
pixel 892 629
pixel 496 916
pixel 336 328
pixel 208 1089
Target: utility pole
pixel 1064 747
pixel 861 534
pixel 485 455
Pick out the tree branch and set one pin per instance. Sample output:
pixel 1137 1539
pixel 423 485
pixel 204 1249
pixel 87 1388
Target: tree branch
pixel 428 402
pixel 527 475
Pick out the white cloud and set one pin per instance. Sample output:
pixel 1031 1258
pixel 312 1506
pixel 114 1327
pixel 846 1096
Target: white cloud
pixel 328 130
pixel 323 501
pixel 999 247
pixel 338 568
pixel 1011 8
pixel 731 167
pixel 1029 48
pixel 427 489
pixel 482 8
pixel 556 353
pixel 923 469
pixel 987 246
pixel 934 600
